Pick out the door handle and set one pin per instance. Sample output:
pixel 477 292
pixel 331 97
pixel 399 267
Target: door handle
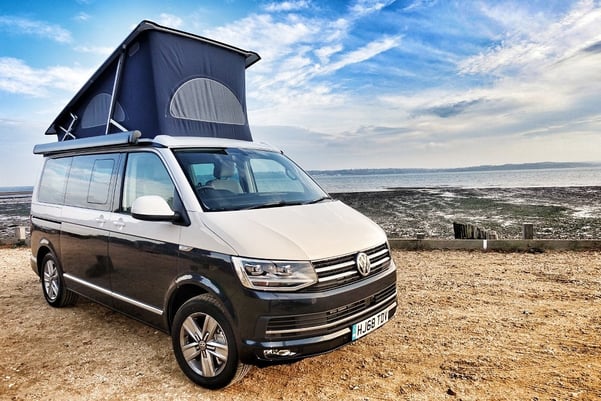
pixel 100 220
pixel 119 224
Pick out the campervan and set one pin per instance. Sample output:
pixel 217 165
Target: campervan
pixel 154 201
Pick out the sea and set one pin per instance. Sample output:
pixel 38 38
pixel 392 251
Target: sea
pixel 519 178
pixel 525 178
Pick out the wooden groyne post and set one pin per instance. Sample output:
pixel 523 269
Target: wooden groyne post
pixel 528 231
pixel 470 231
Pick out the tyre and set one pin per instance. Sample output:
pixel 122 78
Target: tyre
pixel 204 343
pixel 53 285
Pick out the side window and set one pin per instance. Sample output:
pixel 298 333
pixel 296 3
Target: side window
pixel 89 181
pixel 54 180
pixel 100 182
pixel 145 174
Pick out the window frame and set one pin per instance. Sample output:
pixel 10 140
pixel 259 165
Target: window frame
pixel 176 202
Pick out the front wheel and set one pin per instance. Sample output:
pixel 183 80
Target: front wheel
pixel 204 343
pixel 53 285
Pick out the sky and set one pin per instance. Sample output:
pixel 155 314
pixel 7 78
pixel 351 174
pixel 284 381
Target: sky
pixel 340 84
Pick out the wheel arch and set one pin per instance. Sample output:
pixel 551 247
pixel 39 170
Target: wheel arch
pixel 44 249
pixel 190 286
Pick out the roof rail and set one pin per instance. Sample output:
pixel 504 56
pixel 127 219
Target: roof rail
pixel 125 138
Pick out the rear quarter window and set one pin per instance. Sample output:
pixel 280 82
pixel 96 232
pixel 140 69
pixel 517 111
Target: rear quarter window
pixel 54 180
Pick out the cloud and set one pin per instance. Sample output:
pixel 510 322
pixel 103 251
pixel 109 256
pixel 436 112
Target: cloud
pixel 170 20
pixel 594 48
pixel 82 17
pixel 417 4
pixel 452 109
pixel 364 53
pixel 301 56
pixel 324 53
pixel 363 7
pixel 529 48
pixel 450 102
pixel 287 6
pixel 100 50
pixel 19 78
pixel 23 26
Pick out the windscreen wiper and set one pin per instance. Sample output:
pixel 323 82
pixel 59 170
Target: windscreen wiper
pixel 273 204
pixel 323 198
pixel 281 203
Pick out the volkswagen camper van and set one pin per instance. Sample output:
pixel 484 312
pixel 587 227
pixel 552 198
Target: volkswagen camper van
pixel 225 244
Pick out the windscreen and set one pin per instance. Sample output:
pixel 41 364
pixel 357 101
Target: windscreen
pixel 238 179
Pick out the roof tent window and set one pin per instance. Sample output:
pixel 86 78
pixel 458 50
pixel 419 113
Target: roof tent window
pixel 96 111
pixel 203 99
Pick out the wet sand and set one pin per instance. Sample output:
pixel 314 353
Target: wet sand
pixel 555 212
pixel 14 211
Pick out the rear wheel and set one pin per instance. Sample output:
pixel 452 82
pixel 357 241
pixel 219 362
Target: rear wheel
pixel 53 285
pixel 204 343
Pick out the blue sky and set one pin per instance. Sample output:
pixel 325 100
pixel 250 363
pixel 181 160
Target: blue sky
pixel 341 84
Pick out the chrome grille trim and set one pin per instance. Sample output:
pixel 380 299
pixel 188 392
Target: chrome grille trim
pixel 375 255
pixel 336 277
pixel 338 322
pixel 379 262
pixel 334 267
pixel 340 271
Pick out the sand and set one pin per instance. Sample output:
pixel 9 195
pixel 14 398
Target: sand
pixel 470 326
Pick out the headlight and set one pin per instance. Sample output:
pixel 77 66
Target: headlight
pixel 271 275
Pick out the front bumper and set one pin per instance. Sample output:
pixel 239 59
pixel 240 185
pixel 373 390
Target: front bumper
pixel 290 350
pixel 321 323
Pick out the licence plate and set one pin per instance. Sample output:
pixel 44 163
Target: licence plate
pixel 368 325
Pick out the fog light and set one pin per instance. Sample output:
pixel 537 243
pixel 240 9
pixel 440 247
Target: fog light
pixel 278 353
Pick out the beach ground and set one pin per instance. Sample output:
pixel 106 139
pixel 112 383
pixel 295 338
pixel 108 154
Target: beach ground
pixel 469 326
pixel 556 212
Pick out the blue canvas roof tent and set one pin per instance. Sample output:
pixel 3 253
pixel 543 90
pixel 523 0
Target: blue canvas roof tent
pixel 162 81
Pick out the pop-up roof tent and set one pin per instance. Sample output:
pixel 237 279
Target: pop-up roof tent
pixel 162 81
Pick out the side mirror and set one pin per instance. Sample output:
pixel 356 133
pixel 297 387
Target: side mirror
pixel 152 208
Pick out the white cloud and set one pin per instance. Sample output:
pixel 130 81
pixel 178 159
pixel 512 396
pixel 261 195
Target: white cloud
pixel 364 7
pixel 324 53
pixel 364 53
pixel 272 38
pixel 170 20
pixel 24 26
pixel 19 78
pixel 100 50
pixel 82 17
pixel 298 53
pixel 531 47
pixel 287 6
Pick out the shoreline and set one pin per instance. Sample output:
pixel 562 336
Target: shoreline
pixel 572 213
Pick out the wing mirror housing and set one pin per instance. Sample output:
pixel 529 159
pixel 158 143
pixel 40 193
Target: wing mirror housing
pixel 153 208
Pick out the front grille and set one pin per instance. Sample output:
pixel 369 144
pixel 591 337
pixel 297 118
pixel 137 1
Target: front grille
pixel 324 323
pixel 341 271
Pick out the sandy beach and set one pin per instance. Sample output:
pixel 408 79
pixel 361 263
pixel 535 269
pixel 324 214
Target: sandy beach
pixel 469 326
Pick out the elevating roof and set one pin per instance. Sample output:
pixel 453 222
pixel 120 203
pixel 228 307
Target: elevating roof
pixel 162 81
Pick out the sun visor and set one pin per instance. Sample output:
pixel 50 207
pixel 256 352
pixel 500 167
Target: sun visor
pixel 163 81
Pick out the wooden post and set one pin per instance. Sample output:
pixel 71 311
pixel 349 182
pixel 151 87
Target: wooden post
pixel 20 235
pixel 528 232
